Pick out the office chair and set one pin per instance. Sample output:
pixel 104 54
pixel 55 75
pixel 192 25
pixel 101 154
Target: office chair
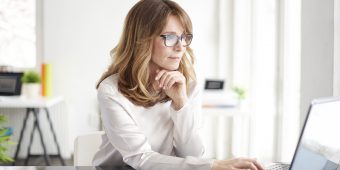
pixel 85 147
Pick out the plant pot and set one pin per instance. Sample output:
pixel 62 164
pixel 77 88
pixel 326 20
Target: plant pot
pixel 31 90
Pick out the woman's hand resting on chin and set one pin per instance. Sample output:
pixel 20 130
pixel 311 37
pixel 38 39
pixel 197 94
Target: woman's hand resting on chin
pixel 173 83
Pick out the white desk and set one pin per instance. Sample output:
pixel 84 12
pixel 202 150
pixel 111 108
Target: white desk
pixel 22 102
pixel 226 131
pixel 33 106
pixel 224 111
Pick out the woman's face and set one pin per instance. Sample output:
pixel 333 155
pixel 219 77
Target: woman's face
pixel 164 57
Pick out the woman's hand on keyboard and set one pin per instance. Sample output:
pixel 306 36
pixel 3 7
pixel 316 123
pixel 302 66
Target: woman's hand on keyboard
pixel 237 163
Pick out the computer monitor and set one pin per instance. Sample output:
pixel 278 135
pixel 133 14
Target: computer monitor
pixel 319 144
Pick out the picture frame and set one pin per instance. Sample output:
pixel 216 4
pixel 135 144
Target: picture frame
pixel 214 84
pixel 10 83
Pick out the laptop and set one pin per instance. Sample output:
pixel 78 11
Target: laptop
pixel 319 143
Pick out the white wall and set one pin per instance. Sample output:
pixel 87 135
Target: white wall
pixel 336 48
pixel 317 34
pixel 78 35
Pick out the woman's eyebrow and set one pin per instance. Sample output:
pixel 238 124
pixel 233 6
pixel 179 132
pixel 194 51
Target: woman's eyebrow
pixel 169 32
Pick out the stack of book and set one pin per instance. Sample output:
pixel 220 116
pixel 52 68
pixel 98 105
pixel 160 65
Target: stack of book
pixel 219 99
pixel 46 80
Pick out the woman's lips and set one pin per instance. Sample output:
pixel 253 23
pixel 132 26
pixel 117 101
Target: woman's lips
pixel 175 58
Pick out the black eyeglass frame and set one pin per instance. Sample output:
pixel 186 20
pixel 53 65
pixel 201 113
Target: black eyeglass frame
pixel 179 38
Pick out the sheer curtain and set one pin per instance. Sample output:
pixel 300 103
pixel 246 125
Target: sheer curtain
pixel 18 33
pixel 263 56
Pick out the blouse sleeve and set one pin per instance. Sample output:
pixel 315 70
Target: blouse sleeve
pixel 124 134
pixel 187 124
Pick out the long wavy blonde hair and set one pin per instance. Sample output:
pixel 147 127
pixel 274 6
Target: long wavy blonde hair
pixel 131 57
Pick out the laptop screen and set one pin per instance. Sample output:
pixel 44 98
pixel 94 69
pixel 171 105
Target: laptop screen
pixel 319 145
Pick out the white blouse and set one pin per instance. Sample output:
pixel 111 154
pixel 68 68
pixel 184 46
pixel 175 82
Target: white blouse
pixel 157 137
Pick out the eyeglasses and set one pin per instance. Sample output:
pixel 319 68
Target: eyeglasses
pixel 171 40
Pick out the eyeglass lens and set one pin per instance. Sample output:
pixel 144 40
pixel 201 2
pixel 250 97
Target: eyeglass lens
pixel 172 40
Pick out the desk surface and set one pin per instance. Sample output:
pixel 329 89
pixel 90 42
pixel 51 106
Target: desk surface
pixel 63 168
pixel 266 165
pixel 22 102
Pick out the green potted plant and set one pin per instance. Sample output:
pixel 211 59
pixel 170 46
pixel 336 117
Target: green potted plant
pixel 31 84
pixel 5 142
pixel 241 93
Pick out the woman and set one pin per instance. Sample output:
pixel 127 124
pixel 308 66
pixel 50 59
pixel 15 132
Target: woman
pixel 149 99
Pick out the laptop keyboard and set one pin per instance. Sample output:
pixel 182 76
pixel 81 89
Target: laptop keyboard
pixel 278 166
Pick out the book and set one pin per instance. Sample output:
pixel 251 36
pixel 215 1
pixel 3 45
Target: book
pixel 46 80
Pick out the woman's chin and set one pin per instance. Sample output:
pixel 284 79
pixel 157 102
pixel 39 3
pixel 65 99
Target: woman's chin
pixel 172 67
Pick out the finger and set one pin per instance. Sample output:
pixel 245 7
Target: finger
pixel 179 78
pixel 252 166
pixel 170 76
pixel 163 78
pixel 159 74
pixel 174 80
pixel 159 77
pixel 171 82
pixel 247 165
pixel 256 163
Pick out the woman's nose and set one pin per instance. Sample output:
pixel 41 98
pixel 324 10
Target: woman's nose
pixel 180 45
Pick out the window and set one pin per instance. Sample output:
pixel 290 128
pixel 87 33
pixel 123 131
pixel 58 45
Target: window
pixel 18 33
pixel 265 60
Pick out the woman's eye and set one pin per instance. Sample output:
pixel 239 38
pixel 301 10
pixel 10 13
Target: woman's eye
pixel 170 37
